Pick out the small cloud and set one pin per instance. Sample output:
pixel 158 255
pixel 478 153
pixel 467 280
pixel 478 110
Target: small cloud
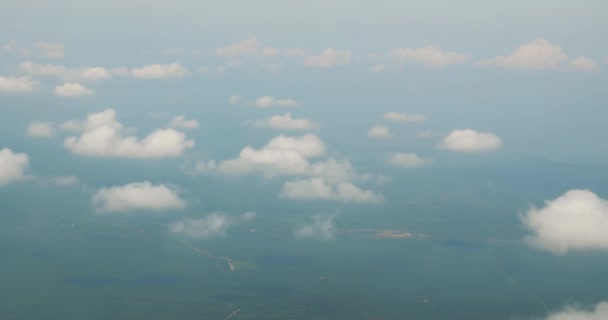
pixel 180 122
pixel 12 166
pixel 172 51
pixel 244 48
pixel 72 89
pixel 536 55
pixel 577 220
pixel 137 196
pixel 329 58
pixel 430 56
pixel 214 225
pixel 471 141
pixel 379 132
pixel 50 50
pixel 409 160
pixel 320 229
pixel 40 129
pixel 577 312
pixel 64 181
pixel 234 99
pixel 269 101
pixel 286 122
pixel 403 117
pixel 67 74
pixel 160 71
pixel 584 64
pixel 377 68
pixel 319 189
pixel 17 84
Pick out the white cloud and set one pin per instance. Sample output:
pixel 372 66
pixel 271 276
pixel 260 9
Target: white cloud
pixel 536 55
pixel 243 48
pixel 379 132
pixel 234 99
pixel 269 101
pixel 377 68
pixel 72 89
pixel 61 72
pixel 181 122
pixel 320 229
pixel 584 64
pixel 64 181
pixel 409 160
pixel 103 136
pixel 329 58
pixel 214 225
pixel 471 141
pixel 137 196
pixel 50 50
pixel 160 71
pixel 575 312
pixel 40 129
pixel 12 166
pixel 577 220
pixel 431 56
pixel 17 84
pixel 286 122
pixel 173 51
pixel 319 189
pixel 403 117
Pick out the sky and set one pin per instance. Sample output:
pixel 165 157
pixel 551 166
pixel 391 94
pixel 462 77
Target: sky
pixel 319 96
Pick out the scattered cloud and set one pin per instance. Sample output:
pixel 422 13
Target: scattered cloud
pixel 377 68
pixel 577 220
pixel 243 48
pixel 137 196
pixel 17 84
pixel 584 64
pixel 160 71
pixel 319 189
pixel 329 58
pixel 403 117
pixel 50 50
pixel 430 56
pixel 180 122
pixel 101 135
pixel 320 229
pixel 269 101
pixel 67 74
pixel 379 132
pixel 72 89
pixel 577 312
pixel 286 122
pixel 234 99
pixel 214 225
pixel 40 129
pixel 536 55
pixel 471 141
pixel 409 160
pixel 12 166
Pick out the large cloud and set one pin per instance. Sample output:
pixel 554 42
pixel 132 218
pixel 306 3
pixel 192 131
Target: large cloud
pixel 286 122
pixel 17 84
pixel 103 136
pixel 137 196
pixel 320 229
pixel 431 56
pixel 12 166
pixel 574 312
pixel 329 58
pixel 577 220
pixel 212 226
pixel 471 141
pixel 584 64
pixel 409 160
pixel 72 89
pixel 536 55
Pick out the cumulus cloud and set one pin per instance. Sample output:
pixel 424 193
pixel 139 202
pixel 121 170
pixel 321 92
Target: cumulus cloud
pixel 329 58
pixel 319 189
pixel 137 196
pixel 286 122
pixel 403 117
pixel 584 64
pixel 160 71
pixel 67 74
pixel 181 122
pixel 269 101
pixel 577 220
pixel 50 50
pixel 17 84
pixel 536 55
pixel 40 129
pixel 471 141
pixel 214 225
pixel 320 229
pixel 431 56
pixel 12 166
pixel 72 89
pixel 409 160
pixel 103 136
pixel 379 132
pixel 576 312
